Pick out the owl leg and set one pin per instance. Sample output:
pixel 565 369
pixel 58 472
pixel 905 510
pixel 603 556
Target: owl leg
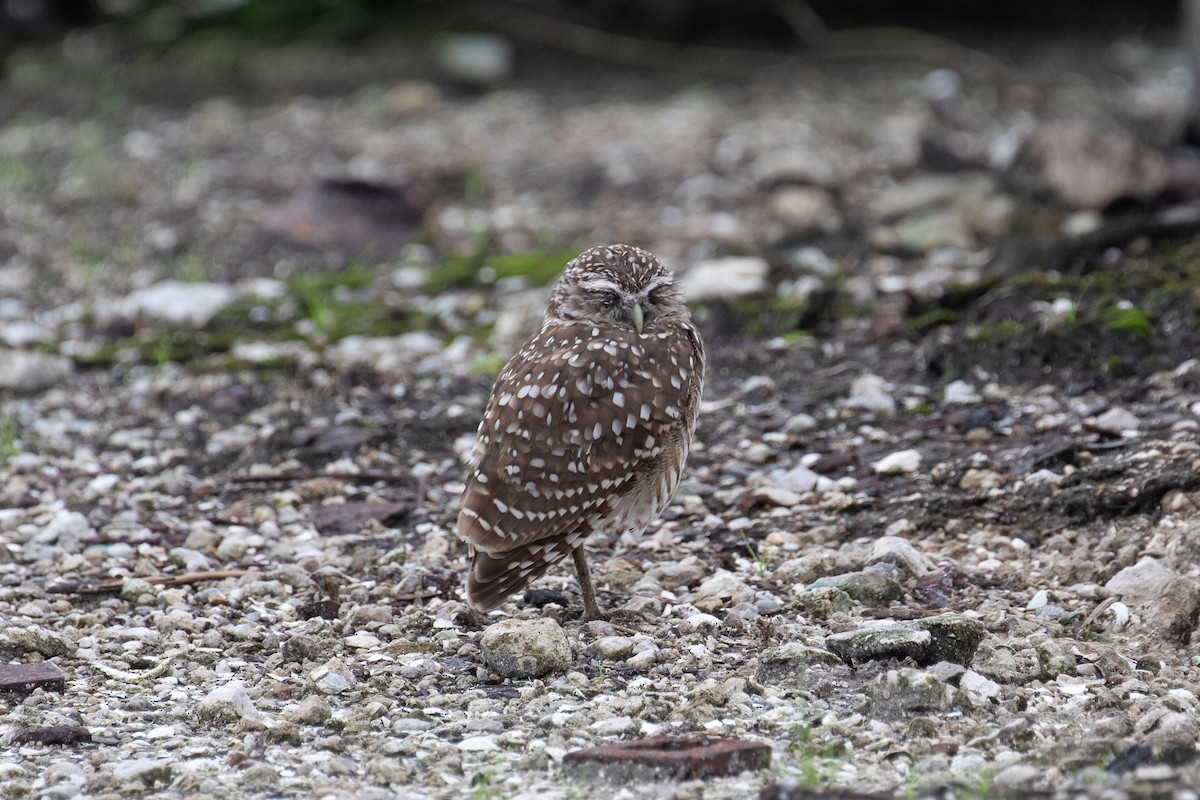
pixel 590 610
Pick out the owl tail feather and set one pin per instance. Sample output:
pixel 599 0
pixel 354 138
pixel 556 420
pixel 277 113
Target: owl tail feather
pixel 497 576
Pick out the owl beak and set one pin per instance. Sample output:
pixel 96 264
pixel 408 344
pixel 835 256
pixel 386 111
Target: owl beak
pixel 639 320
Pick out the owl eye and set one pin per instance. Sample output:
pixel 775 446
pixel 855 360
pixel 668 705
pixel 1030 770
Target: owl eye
pixel 607 298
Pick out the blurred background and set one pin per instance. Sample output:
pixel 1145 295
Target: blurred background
pixel 998 187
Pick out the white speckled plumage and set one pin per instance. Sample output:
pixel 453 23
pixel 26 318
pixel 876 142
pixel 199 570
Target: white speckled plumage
pixel 588 425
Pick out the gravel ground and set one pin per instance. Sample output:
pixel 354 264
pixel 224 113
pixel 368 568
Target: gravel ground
pixel 912 557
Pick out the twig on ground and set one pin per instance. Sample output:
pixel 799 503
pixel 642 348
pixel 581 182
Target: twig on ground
pixel 296 477
pixel 115 584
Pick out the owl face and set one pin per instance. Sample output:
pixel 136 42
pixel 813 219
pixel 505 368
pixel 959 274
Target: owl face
pixel 618 285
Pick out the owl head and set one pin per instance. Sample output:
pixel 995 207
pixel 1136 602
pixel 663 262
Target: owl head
pixel 618 285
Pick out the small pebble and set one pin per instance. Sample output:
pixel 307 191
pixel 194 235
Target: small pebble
pixel 901 462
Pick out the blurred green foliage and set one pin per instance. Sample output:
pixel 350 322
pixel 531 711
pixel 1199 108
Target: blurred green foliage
pixel 269 19
pixel 279 20
pixel 536 267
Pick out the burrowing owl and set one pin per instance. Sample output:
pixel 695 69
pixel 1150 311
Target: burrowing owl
pixel 588 425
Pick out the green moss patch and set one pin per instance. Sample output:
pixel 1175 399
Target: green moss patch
pixel 1133 318
pixel 536 267
pixel 321 308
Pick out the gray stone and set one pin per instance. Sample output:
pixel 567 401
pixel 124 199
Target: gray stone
pixel 643 660
pixel 947 671
pixel 1108 660
pixel 22 334
pixel 481 59
pixel 525 648
pixel 1043 476
pixel 267 352
pixel 1082 223
pixel 1088 168
pixel 899 551
pixel 614 726
pixel 676 575
pixel 978 687
pixel 16 642
pixel 870 393
pixel 305 647
pixel 805 209
pixel 900 693
pixel 1017 776
pixel 333 677
pixel 955 637
pixel 411 725
pixel 262 777
pixel 1167 602
pixel 1006 665
pixel 313 710
pixel 227 702
pixel 945 637
pixel 1174 734
pixel 235 439
pixel 361 641
pixel 767 603
pixel 981 479
pixel 879 642
pixel 960 393
pixel 822 602
pixel 757 389
pixel 804 165
pixel 67 772
pixel 612 648
pixel 774 496
pixel 189 305
pixel 1053 659
pixel 386 353
pixel 415 666
pixel 60 791
pixel 942 86
pixel 873 587
pixel 133 589
pixel 32 372
pixel 478 744
pixel 68 529
pixel 813 261
pixel 940 211
pixel 1116 420
pixel 724 585
pixel 801 423
pixel 759 453
pixel 788 664
pixel 146 771
pixel 901 462
pixel 811 566
pixel 797 479
pixel 725 278
pixel 925 231
pixel 916 194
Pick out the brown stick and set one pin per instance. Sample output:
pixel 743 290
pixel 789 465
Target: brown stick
pixel 296 477
pixel 114 585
